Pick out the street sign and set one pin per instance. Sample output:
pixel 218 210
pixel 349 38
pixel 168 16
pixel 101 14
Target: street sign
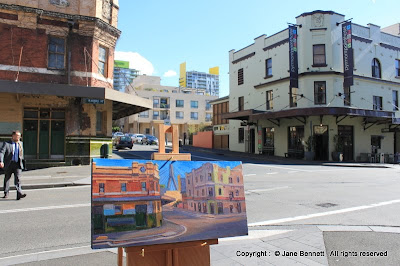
pixel 93 101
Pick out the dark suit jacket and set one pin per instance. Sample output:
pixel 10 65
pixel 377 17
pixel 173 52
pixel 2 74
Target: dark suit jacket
pixel 6 154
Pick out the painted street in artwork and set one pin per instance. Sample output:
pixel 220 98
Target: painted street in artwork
pixel 140 202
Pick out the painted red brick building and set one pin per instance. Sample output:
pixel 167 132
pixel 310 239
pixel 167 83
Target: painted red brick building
pixel 56 67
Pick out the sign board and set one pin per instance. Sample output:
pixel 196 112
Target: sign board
pixel 93 101
pixel 167 122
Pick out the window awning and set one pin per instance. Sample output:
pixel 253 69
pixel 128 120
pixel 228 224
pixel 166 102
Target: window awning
pixel 123 104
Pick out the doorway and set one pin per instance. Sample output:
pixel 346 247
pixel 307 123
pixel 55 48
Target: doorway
pixel 346 134
pixel 321 136
pixel 252 141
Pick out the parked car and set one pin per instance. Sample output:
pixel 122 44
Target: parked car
pixel 123 142
pixel 117 134
pixel 150 140
pixel 137 138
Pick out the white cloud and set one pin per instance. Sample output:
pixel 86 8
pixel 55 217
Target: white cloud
pixel 374 1
pixel 170 73
pixel 136 61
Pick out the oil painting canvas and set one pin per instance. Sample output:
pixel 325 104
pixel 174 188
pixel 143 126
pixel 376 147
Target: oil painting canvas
pixel 143 202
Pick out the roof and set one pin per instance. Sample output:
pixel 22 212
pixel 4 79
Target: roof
pixel 123 104
pixel 220 100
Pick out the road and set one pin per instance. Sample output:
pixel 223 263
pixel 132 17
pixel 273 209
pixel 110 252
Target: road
pixel 277 196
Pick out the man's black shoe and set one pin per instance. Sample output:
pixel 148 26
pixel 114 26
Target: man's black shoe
pixel 20 196
pixel 5 196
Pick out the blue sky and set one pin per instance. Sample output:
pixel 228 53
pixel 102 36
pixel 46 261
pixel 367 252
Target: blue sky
pixel 158 35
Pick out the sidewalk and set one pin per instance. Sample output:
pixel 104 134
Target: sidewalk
pixel 283 160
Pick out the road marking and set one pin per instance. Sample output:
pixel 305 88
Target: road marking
pixel 45 208
pixel 249 174
pixel 320 214
pixel 52 188
pixel 205 158
pixel 265 189
pixel 273 173
pixel 279 167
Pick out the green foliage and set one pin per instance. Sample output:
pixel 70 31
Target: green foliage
pixel 116 129
pixel 310 143
pixel 339 143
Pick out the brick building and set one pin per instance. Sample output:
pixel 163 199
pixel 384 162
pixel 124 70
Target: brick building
pixel 220 125
pixel 126 198
pixel 56 67
pixel 214 189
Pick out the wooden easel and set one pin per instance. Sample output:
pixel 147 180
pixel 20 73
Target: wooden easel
pixel 194 253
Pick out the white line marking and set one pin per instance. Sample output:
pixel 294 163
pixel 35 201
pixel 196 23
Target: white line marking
pixel 279 167
pixel 45 208
pixel 205 158
pixel 266 189
pixel 53 188
pixel 273 173
pixel 249 174
pixel 314 215
pixel 42 252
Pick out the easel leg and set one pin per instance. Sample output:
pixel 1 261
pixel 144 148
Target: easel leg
pixel 120 257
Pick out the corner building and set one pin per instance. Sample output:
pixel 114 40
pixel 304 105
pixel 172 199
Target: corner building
pixel 266 116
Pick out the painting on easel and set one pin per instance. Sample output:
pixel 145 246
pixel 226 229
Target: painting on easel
pixel 143 202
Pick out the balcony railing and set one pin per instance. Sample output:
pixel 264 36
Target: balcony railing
pixel 156 105
pixel 164 106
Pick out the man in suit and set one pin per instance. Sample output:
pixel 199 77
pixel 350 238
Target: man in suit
pixel 11 159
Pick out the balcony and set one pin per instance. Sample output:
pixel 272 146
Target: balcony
pixel 164 106
pixel 156 105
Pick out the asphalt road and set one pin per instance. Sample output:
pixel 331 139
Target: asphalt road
pixel 277 195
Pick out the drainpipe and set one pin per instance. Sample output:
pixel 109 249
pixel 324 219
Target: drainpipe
pixel 69 37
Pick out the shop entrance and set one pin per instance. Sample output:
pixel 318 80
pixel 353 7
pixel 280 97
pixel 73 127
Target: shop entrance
pixel 44 134
pixel 321 136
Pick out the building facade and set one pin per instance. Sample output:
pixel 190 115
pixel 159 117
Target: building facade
pixel 209 82
pixel 188 108
pixel 56 66
pixel 269 115
pixel 123 75
pixel 220 125
pixel 125 198
pixel 214 190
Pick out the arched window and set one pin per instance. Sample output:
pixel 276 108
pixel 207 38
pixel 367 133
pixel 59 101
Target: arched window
pixel 376 68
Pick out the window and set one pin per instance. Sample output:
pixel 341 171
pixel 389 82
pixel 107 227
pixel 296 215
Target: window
pixel 270 103
pixel 208 105
pixel 210 192
pixel 197 194
pixel 376 68
pixel 208 117
pixel 194 115
pixel 397 62
pixel 123 187
pixel 188 181
pixel 395 96
pixel 219 191
pixel 319 92
pixel 238 179
pixel 156 103
pixel 144 114
pixel 240 76
pixel 179 103
pixel 241 103
pixel 237 193
pixel 56 54
pixel 268 68
pixel 346 99
pixel 147 130
pixel 179 115
pixel 230 180
pixel 231 195
pixel 201 178
pixel 197 180
pixel 101 187
pixel 99 121
pixel 190 192
pixel 143 186
pixel 194 104
pixel 209 177
pixel 319 55
pixel 202 192
pixel 241 135
pixel 102 65
pixel 155 114
pixel 377 103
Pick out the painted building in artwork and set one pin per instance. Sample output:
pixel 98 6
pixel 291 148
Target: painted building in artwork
pixel 126 198
pixel 214 189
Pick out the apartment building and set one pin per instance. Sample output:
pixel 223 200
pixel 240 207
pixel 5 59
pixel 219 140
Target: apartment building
pixel 323 77
pixel 188 108
pixel 123 75
pixel 56 66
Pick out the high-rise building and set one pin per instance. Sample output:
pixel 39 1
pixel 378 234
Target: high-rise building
pixel 123 75
pixel 200 80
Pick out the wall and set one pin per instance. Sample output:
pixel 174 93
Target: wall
pixel 203 139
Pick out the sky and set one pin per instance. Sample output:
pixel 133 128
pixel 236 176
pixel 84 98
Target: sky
pixel 158 35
